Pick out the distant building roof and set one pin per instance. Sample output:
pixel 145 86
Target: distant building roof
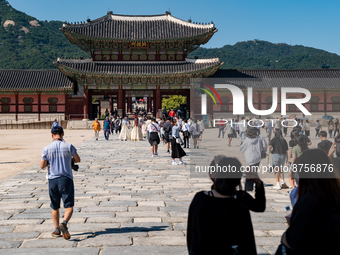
pixel 125 27
pixel 139 68
pixel 266 79
pixel 34 80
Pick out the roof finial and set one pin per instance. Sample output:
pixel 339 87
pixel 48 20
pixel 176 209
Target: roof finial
pixel 189 20
pixel 168 12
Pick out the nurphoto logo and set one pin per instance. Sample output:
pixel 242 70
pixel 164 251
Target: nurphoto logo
pixel 238 100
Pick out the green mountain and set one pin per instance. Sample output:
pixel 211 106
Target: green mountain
pixel 258 54
pixel 27 43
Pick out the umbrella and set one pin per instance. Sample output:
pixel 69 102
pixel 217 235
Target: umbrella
pixel 303 118
pixel 327 117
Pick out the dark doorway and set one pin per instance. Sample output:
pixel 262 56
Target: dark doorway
pixel 95 111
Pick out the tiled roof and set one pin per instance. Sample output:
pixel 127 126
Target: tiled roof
pixel 139 68
pixel 155 27
pixel 28 80
pixel 264 79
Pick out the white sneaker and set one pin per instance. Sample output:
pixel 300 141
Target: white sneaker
pixel 174 163
pixel 152 156
pixel 181 163
pixel 277 187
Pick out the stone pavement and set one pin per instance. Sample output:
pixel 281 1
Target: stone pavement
pixel 126 203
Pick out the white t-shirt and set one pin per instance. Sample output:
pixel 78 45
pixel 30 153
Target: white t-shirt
pixel 153 127
pixel 185 127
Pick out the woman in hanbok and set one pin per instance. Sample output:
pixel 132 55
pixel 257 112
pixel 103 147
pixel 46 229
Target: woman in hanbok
pixel 145 125
pixel 125 132
pixel 136 133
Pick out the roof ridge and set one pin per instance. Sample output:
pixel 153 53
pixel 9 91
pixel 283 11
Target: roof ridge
pixel 28 70
pixel 122 17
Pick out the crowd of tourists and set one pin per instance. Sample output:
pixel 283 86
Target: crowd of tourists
pixel 173 131
pixel 313 225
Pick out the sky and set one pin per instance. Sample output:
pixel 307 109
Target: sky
pixel 312 23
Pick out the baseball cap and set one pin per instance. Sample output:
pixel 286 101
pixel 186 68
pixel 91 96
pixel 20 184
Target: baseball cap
pixel 107 117
pixel 55 120
pixel 57 129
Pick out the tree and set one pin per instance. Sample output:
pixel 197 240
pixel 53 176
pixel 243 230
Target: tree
pixel 173 102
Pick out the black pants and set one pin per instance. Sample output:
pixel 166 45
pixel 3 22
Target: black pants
pixel 285 130
pixel 317 132
pixel 186 141
pixel 336 131
pixel 118 130
pixel 249 185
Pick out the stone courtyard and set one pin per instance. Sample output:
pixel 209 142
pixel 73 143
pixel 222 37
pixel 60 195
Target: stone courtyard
pixel 126 203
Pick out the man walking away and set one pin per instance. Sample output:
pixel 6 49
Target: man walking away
pixel 195 132
pixel 186 133
pixel 324 145
pixel 317 127
pixel 118 124
pixel 285 126
pixel 330 128
pixel 201 124
pixel 230 131
pixel 167 133
pixel 154 140
pixel 55 123
pixel 58 156
pixel 242 128
pixel 112 120
pixel 107 113
pixel 161 124
pixel 221 128
pixel 96 128
pixel 107 127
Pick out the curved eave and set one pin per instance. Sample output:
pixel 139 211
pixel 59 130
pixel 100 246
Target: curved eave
pixel 37 90
pixel 69 35
pixel 70 72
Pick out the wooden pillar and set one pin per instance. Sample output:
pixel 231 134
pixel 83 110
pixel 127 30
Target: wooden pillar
pixel 259 104
pixel 86 103
pixel 89 100
pixel 325 101
pixel 129 104
pixel 157 99
pixel 154 103
pixel 121 102
pixel 66 107
pixel 148 104
pixel 191 102
pixel 16 106
pixel 39 105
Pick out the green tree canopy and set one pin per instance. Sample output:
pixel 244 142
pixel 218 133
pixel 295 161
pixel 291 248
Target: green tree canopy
pixel 173 102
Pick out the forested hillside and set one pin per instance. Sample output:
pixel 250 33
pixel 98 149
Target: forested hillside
pixel 28 43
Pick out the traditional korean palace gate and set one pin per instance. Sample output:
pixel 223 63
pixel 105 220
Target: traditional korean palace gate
pixel 136 56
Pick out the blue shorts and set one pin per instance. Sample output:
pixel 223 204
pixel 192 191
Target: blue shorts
pixel 279 160
pixel 61 188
